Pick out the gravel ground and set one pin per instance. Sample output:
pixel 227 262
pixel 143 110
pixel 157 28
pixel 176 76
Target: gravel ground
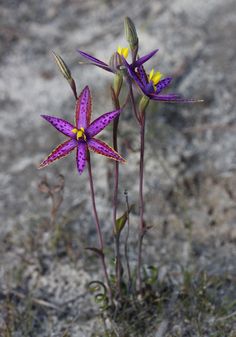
pixel 190 157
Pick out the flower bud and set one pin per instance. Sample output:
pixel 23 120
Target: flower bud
pixel 143 104
pixel 62 67
pixel 131 34
pixel 117 84
pixel 65 72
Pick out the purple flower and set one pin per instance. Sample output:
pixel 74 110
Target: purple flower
pixel 152 85
pixel 81 136
pixel 122 54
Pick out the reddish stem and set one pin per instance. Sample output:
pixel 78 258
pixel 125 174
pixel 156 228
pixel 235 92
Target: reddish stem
pixel 127 241
pixel 141 199
pixel 98 228
pixel 133 103
pixel 116 103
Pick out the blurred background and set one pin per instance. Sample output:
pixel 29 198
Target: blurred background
pixel 190 149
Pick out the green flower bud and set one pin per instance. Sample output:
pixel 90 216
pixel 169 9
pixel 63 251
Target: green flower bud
pixel 143 104
pixel 131 34
pixel 62 67
pixel 65 72
pixel 117 84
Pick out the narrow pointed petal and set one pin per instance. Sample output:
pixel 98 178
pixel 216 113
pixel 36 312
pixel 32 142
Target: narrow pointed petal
pixel 101 122
pixel 173 98
pixel 102 148
pixel 83 109
pixel 61 125
pixel 59 152
pixel 163 84
pixel 95 61
pixel 144 58
pixel 81 156
pixel 91 58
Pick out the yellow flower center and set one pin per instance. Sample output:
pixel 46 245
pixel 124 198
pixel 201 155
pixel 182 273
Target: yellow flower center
pixel 123 51
pixel 79 133
pixel 154 77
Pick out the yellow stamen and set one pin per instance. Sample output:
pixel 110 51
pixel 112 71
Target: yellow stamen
pixel 79 133
pixel 155 77
pixel 123 51
pixel 151 74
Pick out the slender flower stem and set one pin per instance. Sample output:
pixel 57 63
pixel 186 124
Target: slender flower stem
pixel 115 202
pixel 133 103
pixel 140 116
pixel 115 146
pixel 98 228
pixel 127 241
pixel 116 102
pixel 116 163
pixel 141 199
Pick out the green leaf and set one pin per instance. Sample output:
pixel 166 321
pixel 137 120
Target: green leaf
pixel 121 221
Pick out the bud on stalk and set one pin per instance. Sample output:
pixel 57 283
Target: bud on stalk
pixel 62 66
pixel 143 104
pixel 65 72
pixel 117 84
pixel 131 36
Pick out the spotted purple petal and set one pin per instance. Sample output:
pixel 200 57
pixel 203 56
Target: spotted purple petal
pixel 163 84
pixel 61 151
pixel 102 148
pixel 95 61
pixel 144 58
pixel 61 125
pixel 83 109
pixel 81 156
pixel 101 122
pixel 141 73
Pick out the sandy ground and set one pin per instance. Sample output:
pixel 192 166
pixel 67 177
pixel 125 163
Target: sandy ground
pixel 190 153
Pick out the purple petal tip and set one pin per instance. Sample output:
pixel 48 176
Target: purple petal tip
pixel 44 116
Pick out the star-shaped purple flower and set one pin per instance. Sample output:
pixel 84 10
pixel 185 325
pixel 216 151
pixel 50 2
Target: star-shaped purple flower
pixel 152 86
pixel 81 136
pixel 105 66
